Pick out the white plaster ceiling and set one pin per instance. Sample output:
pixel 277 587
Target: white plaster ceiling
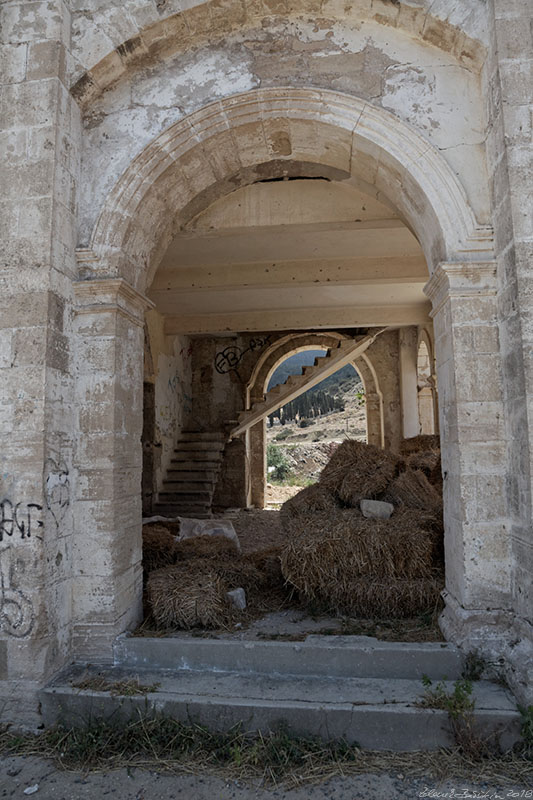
pixel 271 249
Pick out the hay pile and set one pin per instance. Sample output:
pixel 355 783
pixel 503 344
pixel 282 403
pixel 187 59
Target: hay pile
pixel 357 471
pixel 423 453
pixel 314 498
pixel 366 567
pixel 424 442
pixel 181 597
pixel 191 589
pixel 158 547
pixel 412 489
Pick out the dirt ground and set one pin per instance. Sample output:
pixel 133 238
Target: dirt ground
pixel 336 426
pixel 275 495
pixel 258 529
pixel 20 774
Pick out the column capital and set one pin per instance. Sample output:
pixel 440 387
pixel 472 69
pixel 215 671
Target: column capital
pixel 459 279
pixel 111 294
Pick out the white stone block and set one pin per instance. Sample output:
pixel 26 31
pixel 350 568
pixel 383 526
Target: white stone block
pixel 376 509
pixel 238 598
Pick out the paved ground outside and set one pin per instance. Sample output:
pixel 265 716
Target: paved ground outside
pixel 20 775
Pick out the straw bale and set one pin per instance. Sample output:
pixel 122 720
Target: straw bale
pixel 181 597
pixel 422 442
pixel 239 573
pixel 331 552
pixel 395 597
pixel 357 471
pixel 429 462
pixel 223 558
pixel 313 498
pixel 368 572
pixel 413 490
pixel 211 547
pixel 158 547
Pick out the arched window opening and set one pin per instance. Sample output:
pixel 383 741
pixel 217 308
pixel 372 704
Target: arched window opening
pixel 300 435
pixel 426 390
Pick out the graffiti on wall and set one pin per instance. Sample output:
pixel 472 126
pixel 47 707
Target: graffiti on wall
pixel 17 616
pixel 228 359
pixel 22 521
pixel 18 521
pixel 57 489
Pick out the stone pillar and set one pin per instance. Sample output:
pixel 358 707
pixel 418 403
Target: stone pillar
pixel 39 165
pixel 107 568
pixel 408 340
pixel 257 463
pixel 473 445
pixel 510 159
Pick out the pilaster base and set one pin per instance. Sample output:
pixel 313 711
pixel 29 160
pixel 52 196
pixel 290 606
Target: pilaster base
pixel 503 640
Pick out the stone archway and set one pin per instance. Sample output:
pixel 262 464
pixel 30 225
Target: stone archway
pixel 235 142
pixel 282 349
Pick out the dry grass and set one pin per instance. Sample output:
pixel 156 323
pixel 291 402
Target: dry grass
pixel 422 442
pixel 183 597
pixel 357 471
pixel 394 597
pixel 423 628
pixel 192 593
pixel 364 567
pixel 314 498
pixel 429 462
pixel 126 688
pixel 268 563
pixel 158 547
pixel 258 529
pixel 165 745
pixel 210 547
pixel 413 490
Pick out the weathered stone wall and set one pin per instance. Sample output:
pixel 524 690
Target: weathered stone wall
pixel 456 76
pixel 39 150
pixel 169 369
pixel 430 81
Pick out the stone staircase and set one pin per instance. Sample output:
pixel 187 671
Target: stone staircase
pixel 351 687
pixel 336 357
pixel 191 479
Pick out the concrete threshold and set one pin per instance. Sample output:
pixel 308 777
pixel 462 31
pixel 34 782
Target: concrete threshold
pixel 376 713
pixel 327 656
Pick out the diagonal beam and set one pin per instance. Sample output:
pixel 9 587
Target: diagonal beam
pixel 347 350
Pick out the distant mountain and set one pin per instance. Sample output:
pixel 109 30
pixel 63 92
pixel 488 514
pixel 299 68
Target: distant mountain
pixel 341 382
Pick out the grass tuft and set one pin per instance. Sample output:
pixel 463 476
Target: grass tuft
pixel 163 744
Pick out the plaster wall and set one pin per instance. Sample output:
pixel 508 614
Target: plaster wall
pixel 416 80
pixel 171 357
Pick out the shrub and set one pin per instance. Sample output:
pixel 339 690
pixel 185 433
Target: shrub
pixel 276 458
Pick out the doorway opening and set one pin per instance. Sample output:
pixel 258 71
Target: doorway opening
pixel 301 435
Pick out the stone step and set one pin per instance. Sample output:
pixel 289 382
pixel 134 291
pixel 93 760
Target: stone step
pixel 326 656
pixel 174 509
pixel 203 456
pixel 295 385
pixel 197 436
pixel 184 486
pixel 195 474
pixel 376 713
pixel 186 497
pixel 214 447
pixel 184 464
